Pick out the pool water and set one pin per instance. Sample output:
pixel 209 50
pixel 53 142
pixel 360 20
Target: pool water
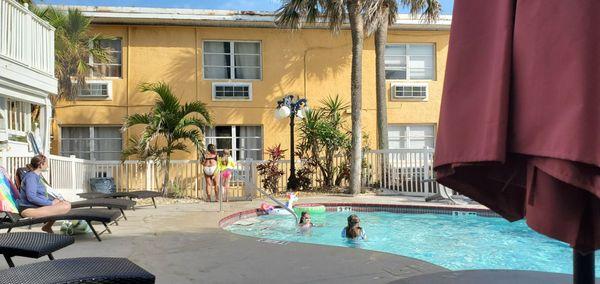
pixel 454 242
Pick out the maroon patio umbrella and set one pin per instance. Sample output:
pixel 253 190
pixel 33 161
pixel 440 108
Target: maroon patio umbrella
pixel 519 128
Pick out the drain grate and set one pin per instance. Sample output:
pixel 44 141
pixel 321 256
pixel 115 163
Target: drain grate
pixel 273 242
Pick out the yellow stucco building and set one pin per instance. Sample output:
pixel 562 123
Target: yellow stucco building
pixel 240 64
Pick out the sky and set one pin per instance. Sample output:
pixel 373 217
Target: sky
pixel 251 5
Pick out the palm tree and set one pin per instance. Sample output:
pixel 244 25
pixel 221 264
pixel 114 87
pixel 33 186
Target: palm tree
pixel 73 46
pixel 167 127
pixel 379 14
pixel 294 14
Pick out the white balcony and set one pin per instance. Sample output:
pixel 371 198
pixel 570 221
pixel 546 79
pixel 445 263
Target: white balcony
pixel 26 49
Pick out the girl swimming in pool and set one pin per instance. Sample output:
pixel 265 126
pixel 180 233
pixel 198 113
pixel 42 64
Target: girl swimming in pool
pixel 305 222
pixel 353 230
pixel 209 163
pixel 225 167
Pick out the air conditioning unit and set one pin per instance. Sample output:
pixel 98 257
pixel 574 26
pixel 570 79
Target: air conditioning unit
pixel 96 89
pixel 412 91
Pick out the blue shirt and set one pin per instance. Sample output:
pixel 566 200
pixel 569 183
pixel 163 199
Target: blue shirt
pixel 33 191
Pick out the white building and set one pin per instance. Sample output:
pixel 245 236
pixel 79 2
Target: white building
pixel 26 78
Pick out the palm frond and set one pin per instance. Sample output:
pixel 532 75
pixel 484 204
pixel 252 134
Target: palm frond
pixel 191 121
pixel 428 10
pixel 179 146
pixel 167 101
pixel 334 104
pixel 292 14
pixel 136 119
pixel 335 13
pixel 192 134
pixel 379 12
pixel 199 108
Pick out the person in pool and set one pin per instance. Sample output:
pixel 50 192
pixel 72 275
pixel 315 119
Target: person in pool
pixel 305 222
pixel 209 164
pixel 353 230
pixel 225 167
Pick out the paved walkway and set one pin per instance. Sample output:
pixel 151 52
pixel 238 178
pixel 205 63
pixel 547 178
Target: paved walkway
pixel 182 243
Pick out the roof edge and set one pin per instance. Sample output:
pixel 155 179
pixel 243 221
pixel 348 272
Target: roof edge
pixel 219 18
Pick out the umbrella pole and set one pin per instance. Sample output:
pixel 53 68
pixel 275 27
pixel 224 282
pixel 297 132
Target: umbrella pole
pixel 583 267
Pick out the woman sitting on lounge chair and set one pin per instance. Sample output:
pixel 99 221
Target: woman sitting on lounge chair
pixel 34 201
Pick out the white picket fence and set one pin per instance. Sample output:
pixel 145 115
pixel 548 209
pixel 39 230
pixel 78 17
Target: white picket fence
pixel 407 172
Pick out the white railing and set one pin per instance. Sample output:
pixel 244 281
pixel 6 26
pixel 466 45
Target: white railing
pixel 25 38
pixel 68 175
pixel 408 172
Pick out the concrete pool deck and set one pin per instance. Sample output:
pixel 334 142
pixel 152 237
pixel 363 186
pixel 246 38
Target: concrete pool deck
pixel 182 243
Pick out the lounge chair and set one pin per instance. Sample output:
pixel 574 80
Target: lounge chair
pixel 78 270
pixel 140 194
pixel 103 216
pixel 110 203
pixel 33 245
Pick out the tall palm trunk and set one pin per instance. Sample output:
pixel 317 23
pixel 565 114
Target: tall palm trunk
pixel 380 41
pixel 167 170
pixel 165 185
pixel 356 27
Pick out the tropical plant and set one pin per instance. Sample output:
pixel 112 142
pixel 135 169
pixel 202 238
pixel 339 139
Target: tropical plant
pixel 73 45
pixel 379 14
pixel 295 13
pixel 269 170
pixel 167 127
pixel 324 138
pixel 306 171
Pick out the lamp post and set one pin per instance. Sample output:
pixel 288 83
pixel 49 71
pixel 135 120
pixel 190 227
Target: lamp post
pixel 288 107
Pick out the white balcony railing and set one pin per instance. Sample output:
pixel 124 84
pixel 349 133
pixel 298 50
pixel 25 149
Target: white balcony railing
pixel 25 38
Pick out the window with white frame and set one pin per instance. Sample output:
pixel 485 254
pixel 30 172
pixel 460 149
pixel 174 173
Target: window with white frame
pixel 411 136
pixel 232 60
pixel 232 91
pixel 409 61
pixel 92 142
pixel 96 89
pixel 245 142
pixel 409 91
pixel 114 66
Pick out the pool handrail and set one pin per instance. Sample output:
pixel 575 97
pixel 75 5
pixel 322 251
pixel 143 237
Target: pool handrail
pixel 278 202
pixel 247 182
pixel 442 193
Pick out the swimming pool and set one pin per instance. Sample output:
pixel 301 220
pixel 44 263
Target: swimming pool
pixel 457 242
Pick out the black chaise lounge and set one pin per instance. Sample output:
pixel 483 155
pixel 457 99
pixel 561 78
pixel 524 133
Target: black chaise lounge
pixel 78 270
pixel 33 245
pixel 140 194
pixel 110 203
pixel 104 216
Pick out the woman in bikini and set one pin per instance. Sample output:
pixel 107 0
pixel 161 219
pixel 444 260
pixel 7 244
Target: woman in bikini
pixel 209 163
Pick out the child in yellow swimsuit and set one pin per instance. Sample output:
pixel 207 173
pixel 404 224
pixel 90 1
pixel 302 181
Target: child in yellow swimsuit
pixel 225 167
